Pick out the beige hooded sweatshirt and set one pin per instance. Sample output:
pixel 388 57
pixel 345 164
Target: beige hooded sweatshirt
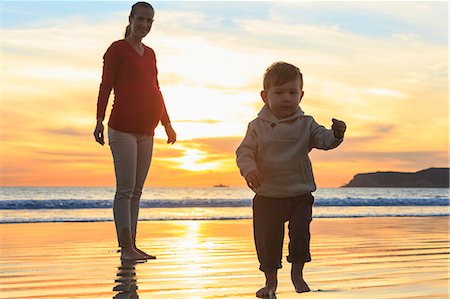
pixel 278 149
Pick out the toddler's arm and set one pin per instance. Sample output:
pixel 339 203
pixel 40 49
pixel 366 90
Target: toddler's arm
pixel 246 158
pixel 323 138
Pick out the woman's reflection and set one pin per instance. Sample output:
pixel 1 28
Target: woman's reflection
pixel 126 285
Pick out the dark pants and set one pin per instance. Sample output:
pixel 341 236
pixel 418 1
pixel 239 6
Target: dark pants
pixel 269 216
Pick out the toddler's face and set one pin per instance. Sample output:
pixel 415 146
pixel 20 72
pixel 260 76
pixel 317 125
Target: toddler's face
pixel 283 100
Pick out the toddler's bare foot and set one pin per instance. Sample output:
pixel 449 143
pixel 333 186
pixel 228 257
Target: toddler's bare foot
pixel 297 278
pixel 300 285
pixel 129 254
pixel 268 291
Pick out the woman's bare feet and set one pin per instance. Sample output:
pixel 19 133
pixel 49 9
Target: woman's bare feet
pixel 145 254
pixel 297 278
pixel 129 254
pixel 268 291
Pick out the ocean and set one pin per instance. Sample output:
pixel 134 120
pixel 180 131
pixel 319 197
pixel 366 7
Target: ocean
pixel 92 204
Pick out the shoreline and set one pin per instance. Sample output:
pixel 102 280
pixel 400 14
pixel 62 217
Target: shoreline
pixel 231 219
pixel 368 257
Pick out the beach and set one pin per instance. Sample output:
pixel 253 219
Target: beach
pixel 368 257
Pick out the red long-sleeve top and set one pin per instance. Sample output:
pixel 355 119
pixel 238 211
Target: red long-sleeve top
pixel 138 103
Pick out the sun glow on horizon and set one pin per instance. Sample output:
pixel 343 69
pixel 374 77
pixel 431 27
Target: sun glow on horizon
pixel 192 160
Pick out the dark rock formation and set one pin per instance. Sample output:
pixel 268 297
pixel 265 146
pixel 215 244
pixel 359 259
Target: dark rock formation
pixel 427 178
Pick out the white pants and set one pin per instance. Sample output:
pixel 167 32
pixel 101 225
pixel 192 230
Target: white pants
pixel 132 154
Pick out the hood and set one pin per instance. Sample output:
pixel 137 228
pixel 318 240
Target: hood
pixel 267 115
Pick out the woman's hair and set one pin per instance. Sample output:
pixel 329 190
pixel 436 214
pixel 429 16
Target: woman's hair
pixel 280 73
pixel 133 11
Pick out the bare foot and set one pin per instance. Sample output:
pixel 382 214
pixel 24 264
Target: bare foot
pixel 301 286
pixel 145 254
pixel 297 278
pixel 129 254
pixel 268 291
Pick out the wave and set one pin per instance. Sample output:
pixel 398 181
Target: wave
pixel 215 203
pixel 74 219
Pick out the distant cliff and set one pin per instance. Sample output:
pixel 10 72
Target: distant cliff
pixel 427 178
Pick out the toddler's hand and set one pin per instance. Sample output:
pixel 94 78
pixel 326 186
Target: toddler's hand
pixel 253 179
pixel 339 128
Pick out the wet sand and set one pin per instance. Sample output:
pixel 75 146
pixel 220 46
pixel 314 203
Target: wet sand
pixel 364 258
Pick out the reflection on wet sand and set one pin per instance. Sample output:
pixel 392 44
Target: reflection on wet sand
pixel 126 283
pixel 383 257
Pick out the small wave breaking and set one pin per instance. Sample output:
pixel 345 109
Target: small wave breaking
pixel 214 203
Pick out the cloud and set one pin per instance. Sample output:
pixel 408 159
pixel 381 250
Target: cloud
pixel 386 92
pixel 217 145
pixel 202 121
pixel 406 36
pixel 67 131
pixel 203 150
pixel 432 158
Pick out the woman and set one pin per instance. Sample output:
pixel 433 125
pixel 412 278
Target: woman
pixel 129 67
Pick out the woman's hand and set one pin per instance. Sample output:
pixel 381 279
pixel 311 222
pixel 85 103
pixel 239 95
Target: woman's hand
pixel 171 135
pixel 98 132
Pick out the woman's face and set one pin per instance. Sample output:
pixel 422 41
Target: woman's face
pixel 141 22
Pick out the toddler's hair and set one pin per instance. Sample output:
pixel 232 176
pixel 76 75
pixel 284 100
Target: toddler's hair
pixel 280 73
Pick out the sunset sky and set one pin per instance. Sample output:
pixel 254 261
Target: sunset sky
pixel 382 67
